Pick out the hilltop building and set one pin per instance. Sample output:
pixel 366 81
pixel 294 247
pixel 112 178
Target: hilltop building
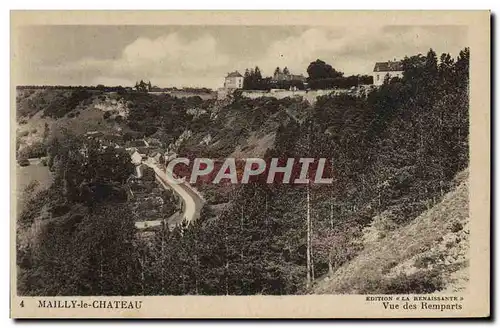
pixel 388 68
pixel 233 80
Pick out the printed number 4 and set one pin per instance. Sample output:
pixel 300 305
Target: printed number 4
pixel 21 304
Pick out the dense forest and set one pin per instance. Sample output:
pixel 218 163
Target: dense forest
pixel 394 154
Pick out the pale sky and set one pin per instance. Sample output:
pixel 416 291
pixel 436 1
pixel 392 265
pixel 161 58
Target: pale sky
pixel 202 55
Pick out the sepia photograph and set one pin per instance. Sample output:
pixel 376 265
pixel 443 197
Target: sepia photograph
pixel 255 159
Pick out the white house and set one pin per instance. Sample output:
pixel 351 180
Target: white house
pixel 233 80
pixel 136 158
pixel 388 68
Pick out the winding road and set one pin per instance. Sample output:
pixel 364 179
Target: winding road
pixel 193 202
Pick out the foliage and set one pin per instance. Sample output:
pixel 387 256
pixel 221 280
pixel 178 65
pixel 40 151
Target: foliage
pixel 84 246
pixel 35 150
pixel 143 86
pixel 318 70
pixel 420 282
pixel 324 76
pixel 85 171
pixel 161 115
pixel 87 253
pixel 23 162
pixel 65 102
pixel 253 80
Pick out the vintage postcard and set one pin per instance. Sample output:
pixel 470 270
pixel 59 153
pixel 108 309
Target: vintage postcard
pixel 270 164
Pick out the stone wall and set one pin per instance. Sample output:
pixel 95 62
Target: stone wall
pixel 186 94
pixel 309 95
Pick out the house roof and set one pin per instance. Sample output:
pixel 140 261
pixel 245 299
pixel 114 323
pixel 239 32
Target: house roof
pixel 390 66
pixel 234 74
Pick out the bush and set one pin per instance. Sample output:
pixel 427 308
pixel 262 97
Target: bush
pixel 64 102
pixel 24 162
pixel 32 207
pixel 33 131
pixel 35 150
pixel 148 174
pixel 456 227
pixel 106 115
pixel 421 282
pixel 423 262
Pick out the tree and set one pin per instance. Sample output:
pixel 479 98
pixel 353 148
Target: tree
pixel 246 80
pixel 253 80
pixel 462 67
pixel 431 69
pixel 143 86
pixel 413 69
pixel 445 69
pixel 320 70
pixel 84 170
pixel 277 71
pixel 286 71
pixel 257 74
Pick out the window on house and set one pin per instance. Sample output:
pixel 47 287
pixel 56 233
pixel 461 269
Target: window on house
pixel 378 77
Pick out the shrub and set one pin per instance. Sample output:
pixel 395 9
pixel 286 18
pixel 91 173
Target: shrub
pixel 423 262
pixel 32 207
pixel 24 162
pixel 64 102
pixel 421 282
pixel 456 227
pixel 33 131
pixel 148 174
pixel 35 150
pixel 106 115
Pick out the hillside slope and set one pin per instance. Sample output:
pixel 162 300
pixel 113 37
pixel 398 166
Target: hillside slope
pixel 427 255
pixel 44 110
